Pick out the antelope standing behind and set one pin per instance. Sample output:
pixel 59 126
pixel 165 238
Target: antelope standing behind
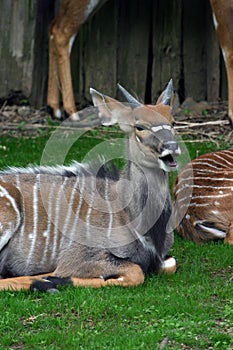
pixel 73 13
pixel 93 230
pixel 204 198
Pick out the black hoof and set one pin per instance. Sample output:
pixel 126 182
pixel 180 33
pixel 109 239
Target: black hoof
pixel 49 284
pixel 110 276
pixel 49 110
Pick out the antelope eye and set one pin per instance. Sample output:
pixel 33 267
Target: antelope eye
pixel 139 127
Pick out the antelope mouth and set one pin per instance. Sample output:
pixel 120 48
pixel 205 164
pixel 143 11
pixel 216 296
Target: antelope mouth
pixel 168 162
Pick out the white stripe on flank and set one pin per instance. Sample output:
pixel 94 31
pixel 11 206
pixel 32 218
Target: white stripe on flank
pixel 194 205
pixel 2 179
pixel 57 217
pixel 202 197
pixel 90 205
pixel 18 185
pixel 35 218
pixel 228 152
pixel 187 186
pixel 192 178
pixel 47 232
pixel 208 163
pixel 224 160
pixel 69 212
pixel 106 197
pixel 9 233
pixel 77 213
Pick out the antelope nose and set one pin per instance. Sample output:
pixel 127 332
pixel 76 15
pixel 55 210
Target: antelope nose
pixel 171 146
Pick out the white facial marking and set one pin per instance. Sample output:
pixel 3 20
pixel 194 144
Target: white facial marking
pixel 156 128
pixel 167 127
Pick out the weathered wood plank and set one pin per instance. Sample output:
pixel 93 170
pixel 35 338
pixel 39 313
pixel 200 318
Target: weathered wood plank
pixel 97 65
pixel 194 52
pixel 212 58
pixel 45 14
pixel 136 42
pixel 166 45
pixel 133 45
pixel 17 27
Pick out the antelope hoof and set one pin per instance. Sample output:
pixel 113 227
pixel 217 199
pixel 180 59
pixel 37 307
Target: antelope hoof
pixel 74 117
pixel 168 265
pixel 110 276
pixel 49 284
pixel 54 112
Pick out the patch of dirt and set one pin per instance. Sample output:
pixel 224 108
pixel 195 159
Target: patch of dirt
pixel 197 121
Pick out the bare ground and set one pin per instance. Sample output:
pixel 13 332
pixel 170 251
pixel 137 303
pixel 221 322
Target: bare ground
pixel 198 121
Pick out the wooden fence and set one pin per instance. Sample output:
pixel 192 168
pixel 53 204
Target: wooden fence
pixel 139 43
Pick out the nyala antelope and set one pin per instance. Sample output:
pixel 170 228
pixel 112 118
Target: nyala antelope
pixel 204 198
pixel 67 224
pixel 65 26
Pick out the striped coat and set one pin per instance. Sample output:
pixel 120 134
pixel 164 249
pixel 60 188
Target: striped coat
pixel 86 225
pixel 204 198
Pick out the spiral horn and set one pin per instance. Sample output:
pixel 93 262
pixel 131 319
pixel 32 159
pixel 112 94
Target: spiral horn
pixel 128 96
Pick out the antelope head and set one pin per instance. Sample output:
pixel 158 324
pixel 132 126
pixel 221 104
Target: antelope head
pixel 149 127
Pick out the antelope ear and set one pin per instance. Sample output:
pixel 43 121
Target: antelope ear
pixel 167 96
pixel 112 111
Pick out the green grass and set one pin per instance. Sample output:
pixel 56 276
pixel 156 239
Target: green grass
pixel 192 309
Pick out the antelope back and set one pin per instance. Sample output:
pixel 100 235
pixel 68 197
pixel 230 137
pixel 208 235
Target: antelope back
pixel 204 197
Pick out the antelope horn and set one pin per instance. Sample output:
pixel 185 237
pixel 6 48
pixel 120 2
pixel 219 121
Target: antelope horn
pixel 128 96
pixel 167 95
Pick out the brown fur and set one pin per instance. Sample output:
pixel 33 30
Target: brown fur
pixel 204 197
pixel 117 231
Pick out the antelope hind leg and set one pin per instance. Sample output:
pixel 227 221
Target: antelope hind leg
pixel 20 283
pixel 129 274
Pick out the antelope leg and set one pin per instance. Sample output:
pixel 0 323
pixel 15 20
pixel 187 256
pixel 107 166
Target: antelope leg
pixel 129 274
pixel 20 283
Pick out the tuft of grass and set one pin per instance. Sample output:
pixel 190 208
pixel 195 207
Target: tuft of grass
pixel 192 309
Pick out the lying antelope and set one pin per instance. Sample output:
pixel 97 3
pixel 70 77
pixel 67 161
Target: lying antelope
pixel 88 229
pixel 73 13
pixel 204 198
